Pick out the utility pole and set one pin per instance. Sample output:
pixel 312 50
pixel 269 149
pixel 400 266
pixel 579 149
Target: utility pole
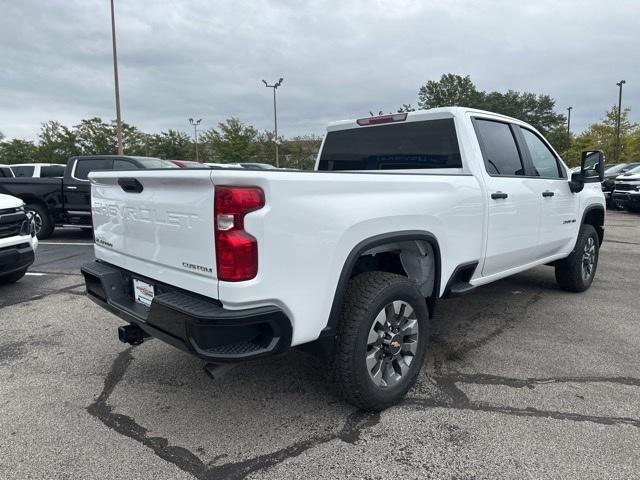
pixel 194 124
pixel 619 84
pixel 275 116
pixel 569 121
pixel 115 75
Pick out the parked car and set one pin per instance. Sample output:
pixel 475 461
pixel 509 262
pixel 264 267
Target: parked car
pixel 348 260
pixel 6 172
pixel 626 192
pixel 610 174
pixel 66 201
pixel 18 242
pixel 38 170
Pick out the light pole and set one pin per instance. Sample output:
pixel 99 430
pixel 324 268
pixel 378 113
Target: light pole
pixel 569 120
pixel 275 116
pixel 115 76
pixel 194 124
pixel 619 84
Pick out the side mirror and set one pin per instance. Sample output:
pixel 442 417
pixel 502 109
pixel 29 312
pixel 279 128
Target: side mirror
pixel 592 167
pixel 591 170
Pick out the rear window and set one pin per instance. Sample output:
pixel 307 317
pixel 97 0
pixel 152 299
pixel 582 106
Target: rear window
pixel 5 172
pixel 26 171
pixel 84 166
pixel 413 145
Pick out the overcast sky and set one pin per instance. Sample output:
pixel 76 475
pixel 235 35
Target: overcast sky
pixel 339 58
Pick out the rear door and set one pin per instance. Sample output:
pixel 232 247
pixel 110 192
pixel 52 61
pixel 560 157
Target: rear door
pixel 558 205
pixel 77 189
pixel 514 206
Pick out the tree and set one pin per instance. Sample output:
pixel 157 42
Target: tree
pixel 95 137
pixel 171 144
pixel 57 143
pixel 450 91
pixel 300 152
pixel 560 139
pixel 455 90
pixel 232 142
pixel 602 136
pixel 537 110
pixel 18 151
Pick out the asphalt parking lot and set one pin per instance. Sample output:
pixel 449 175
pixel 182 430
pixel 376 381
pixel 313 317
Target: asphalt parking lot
pixel 523 381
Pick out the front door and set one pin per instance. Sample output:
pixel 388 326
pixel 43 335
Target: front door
pixel 559 206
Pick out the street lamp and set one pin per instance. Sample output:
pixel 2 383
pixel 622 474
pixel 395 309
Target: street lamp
pixel 194 124
pixel 619 84
pixel 569 120
pixel 275 116
pixel 115 75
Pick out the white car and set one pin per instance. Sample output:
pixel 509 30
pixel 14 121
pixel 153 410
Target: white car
pixel 18 241
pixel 38 170
pixel 348 260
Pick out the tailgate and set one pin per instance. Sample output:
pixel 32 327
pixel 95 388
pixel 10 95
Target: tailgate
pixel 157 224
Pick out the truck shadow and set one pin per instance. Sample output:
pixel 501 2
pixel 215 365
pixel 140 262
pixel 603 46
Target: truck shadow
pixel 262 413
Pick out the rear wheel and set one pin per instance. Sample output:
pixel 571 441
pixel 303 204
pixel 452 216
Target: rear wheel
pixel 12 277
pixel 576 272
pixel 42 220
pixel 382 340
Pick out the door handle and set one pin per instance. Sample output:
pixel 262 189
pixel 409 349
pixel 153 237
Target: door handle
pixel 499 195
pixel 71 187
pixel 548 193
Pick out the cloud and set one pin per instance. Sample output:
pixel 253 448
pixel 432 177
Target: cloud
pixel 339 59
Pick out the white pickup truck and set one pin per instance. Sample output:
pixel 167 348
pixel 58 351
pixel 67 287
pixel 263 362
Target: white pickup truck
pixel 18 240
pixel 349 259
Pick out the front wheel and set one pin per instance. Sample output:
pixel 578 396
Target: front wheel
pixel 42 220
pixel 576 272
pixel 382 340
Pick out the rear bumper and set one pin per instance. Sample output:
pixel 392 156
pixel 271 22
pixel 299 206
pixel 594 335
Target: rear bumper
pixel 16 258
pixel 188 321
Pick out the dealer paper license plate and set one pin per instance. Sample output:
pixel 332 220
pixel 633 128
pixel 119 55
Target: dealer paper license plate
pixel 143 292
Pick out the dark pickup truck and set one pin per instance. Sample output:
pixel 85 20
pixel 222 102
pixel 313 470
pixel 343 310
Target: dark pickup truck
pixel 67 201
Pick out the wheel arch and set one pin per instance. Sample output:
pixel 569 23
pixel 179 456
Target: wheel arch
pixel 375 242
pixel 594 216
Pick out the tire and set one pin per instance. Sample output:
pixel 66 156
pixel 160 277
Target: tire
pixel 44 223
pixel 368 373
pixel 12 277
pixel 576 272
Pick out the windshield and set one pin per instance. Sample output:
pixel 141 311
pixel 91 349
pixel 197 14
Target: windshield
pixel 634 170
pixel 615 168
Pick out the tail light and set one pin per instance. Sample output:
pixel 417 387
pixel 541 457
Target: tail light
pixel 236 250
